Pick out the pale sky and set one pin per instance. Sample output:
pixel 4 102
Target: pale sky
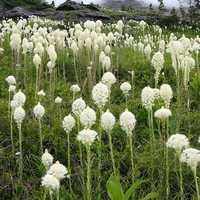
pixel 168 3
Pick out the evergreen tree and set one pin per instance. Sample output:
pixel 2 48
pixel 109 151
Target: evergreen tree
pixel 197 3
pixel 161 4
pixel 150 6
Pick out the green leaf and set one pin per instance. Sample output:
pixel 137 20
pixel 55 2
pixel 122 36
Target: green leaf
pixel 152 195
pixel 114 188
pixel 132 189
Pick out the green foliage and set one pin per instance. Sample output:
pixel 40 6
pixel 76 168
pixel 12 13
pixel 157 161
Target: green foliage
pixel 115 190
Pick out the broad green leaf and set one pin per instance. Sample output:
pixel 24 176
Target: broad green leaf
pixel 114 188
pixel 132 189
pixel 152 195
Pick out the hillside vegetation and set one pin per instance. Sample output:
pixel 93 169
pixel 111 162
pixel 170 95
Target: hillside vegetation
pixel 14 3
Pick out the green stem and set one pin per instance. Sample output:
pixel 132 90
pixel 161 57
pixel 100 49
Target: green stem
pixel 57 195
pixel 196 183
pixel 50 86
pixel 20 155
pixel 126 97
pixel 132 83
pixel 178 100
pixel 150 121
pixel 68 161
pixel 159 130
pixel 41 138
pixel 81 157
pixel 111 153
pixel 99 156
pixel 88 173
pixel 25 67
pixel 11 134
pixel 36 84
pixel 166 136
pixel 181 180
pixel 80 148
pixel 44 194
pixel 9 110
pixel 75 70
pixel 131 152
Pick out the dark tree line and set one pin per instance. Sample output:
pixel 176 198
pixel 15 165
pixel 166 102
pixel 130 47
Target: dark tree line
pixel 14 3
pixel 190 3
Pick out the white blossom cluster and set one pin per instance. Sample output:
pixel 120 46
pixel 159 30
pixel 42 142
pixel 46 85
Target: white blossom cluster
pixel 178 142
pixel 78 106
pixel 107 121
pixel 100 94
pixel 191 157
pixel 127 122
pixel 54 174
pixel 87 136
pixel 68 123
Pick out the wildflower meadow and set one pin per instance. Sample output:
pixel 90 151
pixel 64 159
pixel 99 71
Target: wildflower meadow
pixel 99 111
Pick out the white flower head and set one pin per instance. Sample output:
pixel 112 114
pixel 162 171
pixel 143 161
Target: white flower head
pixel 127 122
pixel 191 157
pixel 41 93
pixel 58 170
pixel 50 182
pixel 106 63
pixel 75 88
pixel 39 111
pixel 20 98
pixel 162 113
pixel 11 80
pixel 107 121
pixel 125 88
pixel 47 159
pixel 37 60
pixel 107 49
pixel 148 97
pixel 158 61
pixel 78 106
pixel 166 94
pixel 178 142
pixel 68 123
pixel 87 136
pixel 58 100
pixel 156 93
pixel 50 66
pixel 13 105
pixel 108 79
pixel 19 115
pixel 88 117
pixel 52 53
pixel 100 94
